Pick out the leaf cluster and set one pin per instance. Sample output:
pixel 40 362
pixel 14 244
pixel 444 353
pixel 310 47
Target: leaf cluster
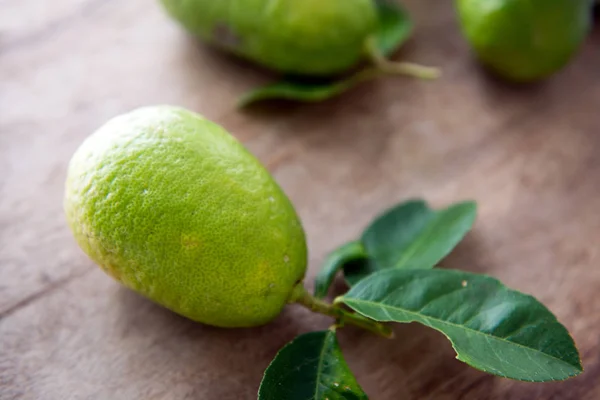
pixel 392 275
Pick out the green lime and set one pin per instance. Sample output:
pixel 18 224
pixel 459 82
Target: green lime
pixel 525 40
pixel 310 37
pixel 175 208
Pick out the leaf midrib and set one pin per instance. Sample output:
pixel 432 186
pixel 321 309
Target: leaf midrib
pixel 388 252
pixel 416 244
pixel 320 365
pixel 459 326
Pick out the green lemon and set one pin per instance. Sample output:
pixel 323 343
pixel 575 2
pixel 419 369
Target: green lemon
pixel 309 37
pixel 175 208
pixel 525 40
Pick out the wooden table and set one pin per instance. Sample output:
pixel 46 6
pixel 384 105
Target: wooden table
pixel 529 155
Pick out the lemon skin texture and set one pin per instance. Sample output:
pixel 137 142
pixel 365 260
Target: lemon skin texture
pixel 175 208
pixel 304 37
pixel 525 40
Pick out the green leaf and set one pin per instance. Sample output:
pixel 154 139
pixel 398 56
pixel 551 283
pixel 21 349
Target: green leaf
pixel 299 90
pixel 412 235
pixel 344 255
pixel 311 367
pixel 491 327
pixel 395 26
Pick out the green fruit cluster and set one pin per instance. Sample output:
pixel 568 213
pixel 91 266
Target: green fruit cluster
pixel 172 206
pixel 522 40
pixel 175 208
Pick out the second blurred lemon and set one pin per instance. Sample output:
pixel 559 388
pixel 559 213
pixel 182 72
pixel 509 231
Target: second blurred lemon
pixel 525 40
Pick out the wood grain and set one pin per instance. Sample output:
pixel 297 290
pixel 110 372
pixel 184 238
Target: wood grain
pixel 529 155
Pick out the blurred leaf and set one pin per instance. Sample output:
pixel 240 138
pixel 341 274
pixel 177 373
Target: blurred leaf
pixel 311 367
pixel 395 26
pixel 302 90
pixel 491 327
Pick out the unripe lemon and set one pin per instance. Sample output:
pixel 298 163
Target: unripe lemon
pixel 525 40
pixel 175 208
pixel 310 37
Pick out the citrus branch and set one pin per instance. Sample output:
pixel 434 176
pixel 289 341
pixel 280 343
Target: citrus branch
pixel 342 317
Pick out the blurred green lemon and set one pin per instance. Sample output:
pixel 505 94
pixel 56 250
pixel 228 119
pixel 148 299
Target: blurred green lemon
pixel 525 40
pixel 310 37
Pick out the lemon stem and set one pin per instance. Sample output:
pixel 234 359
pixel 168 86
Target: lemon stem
pixel 398 68
pixel 342 316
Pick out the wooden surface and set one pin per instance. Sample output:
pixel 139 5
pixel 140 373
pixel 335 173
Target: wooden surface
pixel 530 156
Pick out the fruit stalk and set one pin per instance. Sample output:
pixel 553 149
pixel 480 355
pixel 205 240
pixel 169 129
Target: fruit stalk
pixel 342 317
pixel 386 66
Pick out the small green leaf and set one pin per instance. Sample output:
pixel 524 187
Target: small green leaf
pixel 311 367
pixel 345 254
pixel 299 90
pixel 491 327
pixel 395 26
pixel 412 235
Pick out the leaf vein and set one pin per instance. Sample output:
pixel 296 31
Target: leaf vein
pixel 417 317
